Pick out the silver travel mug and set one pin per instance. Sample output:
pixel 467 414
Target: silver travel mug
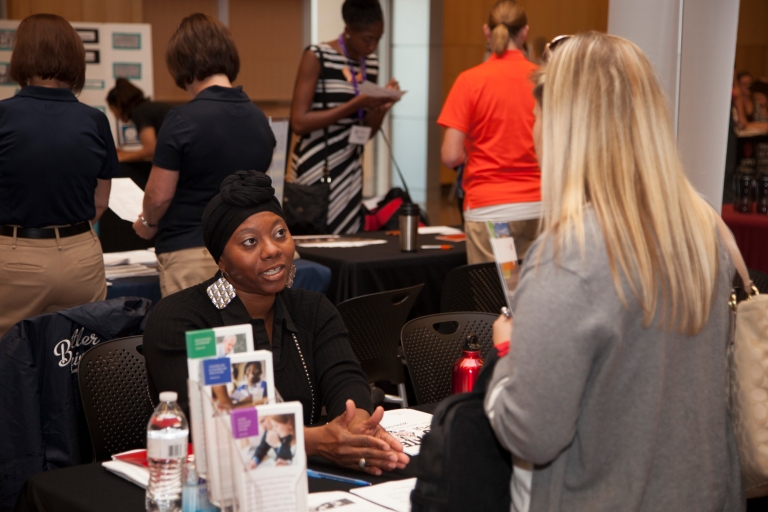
pixel 408 217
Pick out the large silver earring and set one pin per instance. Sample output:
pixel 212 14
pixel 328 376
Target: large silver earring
pixel 291 276
pixel 221 293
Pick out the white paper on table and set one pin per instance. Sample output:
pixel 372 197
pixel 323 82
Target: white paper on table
pixel 138 475
pixel 407 426
pixel 321 501
pixel 395 494
pixel 341 243
pixel 376 91
pixel 126 198
pixel 439 230
pixel 141 257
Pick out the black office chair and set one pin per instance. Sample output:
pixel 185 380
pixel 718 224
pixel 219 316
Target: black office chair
pixel 433 343
pixel 374 322
pixel 113 387
pixel 473 288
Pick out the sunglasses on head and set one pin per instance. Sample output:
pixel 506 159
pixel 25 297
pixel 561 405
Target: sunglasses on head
pixel 550 46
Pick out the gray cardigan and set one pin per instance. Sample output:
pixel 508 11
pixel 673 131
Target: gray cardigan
pixel 615 416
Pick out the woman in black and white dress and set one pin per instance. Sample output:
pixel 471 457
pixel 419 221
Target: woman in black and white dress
pixel 328 108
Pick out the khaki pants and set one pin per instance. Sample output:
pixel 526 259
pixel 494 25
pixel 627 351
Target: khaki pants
pixel 45 276
pixel 479 243
pixel 184 268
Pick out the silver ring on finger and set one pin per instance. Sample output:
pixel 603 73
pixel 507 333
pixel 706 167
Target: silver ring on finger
pixel 361 463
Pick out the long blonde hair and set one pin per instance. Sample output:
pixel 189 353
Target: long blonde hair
pixel 607 141
pixel 506 20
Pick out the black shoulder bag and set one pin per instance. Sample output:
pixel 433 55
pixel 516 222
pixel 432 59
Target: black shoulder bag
pixel 306 206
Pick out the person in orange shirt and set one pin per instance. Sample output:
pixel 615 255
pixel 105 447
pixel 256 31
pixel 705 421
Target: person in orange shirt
pixel 489 118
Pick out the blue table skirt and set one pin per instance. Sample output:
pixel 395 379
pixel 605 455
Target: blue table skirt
pixel 309 276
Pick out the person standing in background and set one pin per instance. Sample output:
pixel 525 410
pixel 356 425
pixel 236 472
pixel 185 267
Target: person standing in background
pixel 488 117
pixel 57 158
pixel 217 133
pixel 327 106
pixel 128 103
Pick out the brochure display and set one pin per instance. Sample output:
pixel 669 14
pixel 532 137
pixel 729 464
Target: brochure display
pixel 252 447
pixel 256 456
pixel 506 258
pixel 208 344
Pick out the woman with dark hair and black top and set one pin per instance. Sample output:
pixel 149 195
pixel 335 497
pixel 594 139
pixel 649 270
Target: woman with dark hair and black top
pixel 199 144
pixel 327 105
pixel 128 103
pixel 245 232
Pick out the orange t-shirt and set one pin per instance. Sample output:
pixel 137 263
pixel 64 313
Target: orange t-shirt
pixel 493 105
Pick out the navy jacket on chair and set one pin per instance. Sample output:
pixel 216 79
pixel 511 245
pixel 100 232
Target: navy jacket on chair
pixel 42 425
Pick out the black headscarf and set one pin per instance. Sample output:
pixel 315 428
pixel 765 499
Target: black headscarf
pixel 243 194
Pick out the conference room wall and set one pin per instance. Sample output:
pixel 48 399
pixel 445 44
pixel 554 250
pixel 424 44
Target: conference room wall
pixel 752 39
pixel 464 42
pixel 268 35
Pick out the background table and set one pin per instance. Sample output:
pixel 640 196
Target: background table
pixel 751 233
pixel 376 268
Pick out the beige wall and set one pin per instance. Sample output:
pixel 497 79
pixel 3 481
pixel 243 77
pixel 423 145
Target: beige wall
pixel 464 43
pixel 268 35
pixel 104 11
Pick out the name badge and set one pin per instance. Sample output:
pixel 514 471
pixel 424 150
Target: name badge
pixel 359 134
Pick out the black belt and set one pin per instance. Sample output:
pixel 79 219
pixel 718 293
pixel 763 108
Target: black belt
pixel 74 229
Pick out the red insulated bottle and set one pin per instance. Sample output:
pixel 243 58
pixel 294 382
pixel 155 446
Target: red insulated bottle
pixel 467 367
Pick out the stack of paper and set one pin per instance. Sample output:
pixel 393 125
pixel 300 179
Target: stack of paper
pixel 130 264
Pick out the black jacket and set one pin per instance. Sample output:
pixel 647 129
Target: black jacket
pixel 42 425
pixel 334 371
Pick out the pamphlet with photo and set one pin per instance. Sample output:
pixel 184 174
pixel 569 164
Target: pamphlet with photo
pixel 269 460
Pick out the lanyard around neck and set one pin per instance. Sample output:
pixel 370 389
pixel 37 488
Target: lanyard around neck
pixel 352 69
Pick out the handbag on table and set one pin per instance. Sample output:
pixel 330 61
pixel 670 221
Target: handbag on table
pixel 748 368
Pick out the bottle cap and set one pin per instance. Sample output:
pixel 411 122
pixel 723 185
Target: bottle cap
pixel 409 209
pixel 471 343
pixel 169 396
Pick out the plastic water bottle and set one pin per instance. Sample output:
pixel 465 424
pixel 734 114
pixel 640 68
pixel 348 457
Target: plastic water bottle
pixel 167 434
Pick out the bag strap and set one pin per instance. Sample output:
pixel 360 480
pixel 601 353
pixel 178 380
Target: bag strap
pixel 733 249
pixel 326 170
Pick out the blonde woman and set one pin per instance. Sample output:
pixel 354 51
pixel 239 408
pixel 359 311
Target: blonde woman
pixel 488 120
pixel 614 385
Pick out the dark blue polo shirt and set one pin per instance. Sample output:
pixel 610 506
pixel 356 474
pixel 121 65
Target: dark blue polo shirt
pixel 217 133
pixel 52 150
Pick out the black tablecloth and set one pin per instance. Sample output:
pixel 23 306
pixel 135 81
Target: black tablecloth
pixel 377 268
pixel 91 488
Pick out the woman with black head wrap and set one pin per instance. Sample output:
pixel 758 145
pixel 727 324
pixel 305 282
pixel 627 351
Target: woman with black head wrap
pixel 245 232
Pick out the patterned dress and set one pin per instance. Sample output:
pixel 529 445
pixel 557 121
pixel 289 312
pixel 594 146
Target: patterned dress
pixel 344 159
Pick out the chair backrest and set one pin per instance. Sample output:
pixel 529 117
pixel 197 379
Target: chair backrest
pixel 113 387
pixel 374 322
pixel 433 343
pixel 473 288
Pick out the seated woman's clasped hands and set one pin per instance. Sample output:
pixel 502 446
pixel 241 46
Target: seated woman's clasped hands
pixel 356 440
pixel 245 232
